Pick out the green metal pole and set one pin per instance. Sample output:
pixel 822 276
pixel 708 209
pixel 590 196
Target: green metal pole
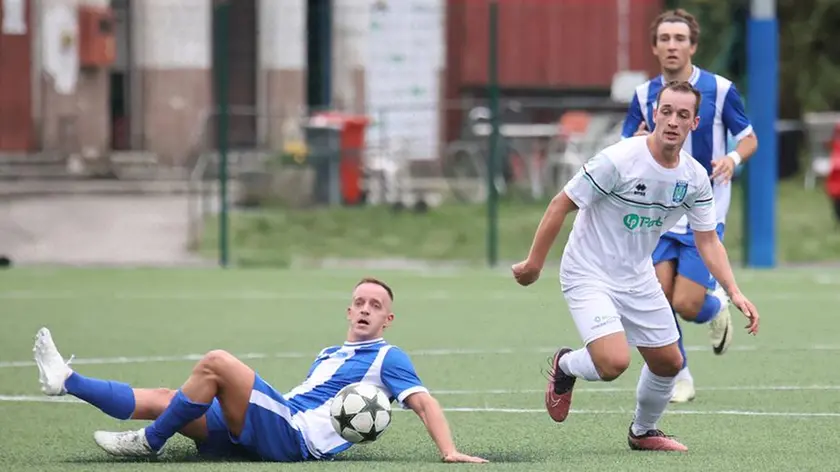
pixel 222 70
pixel 492 166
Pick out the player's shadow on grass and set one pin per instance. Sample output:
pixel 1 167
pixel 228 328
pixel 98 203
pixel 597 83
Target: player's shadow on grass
pixel 169 456
pixel 176 454
pixel 386 456
pixel 184 453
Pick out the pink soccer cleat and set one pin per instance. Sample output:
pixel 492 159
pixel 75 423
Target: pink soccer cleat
pixel 654 440
pixel 558 393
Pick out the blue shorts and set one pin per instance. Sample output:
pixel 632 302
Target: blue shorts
pixel 267 435
pixel 681 248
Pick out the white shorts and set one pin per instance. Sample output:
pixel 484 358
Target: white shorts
pixel 644 315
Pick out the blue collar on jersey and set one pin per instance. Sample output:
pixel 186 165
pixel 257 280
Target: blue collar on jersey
pixel 692 79
pixel 364 343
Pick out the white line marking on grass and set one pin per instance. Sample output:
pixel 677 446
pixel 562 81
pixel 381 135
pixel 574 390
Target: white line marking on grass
pixel 782 414
pixel 414 353
pixel 443 392
pixel 265 295
pixel 260 355
pixel 735 388
pixel 304 355
pixel 153 359
pixel 38 399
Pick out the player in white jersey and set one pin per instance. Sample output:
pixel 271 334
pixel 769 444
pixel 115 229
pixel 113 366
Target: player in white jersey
pixel 230 412
pixel 627 195
pixel 687 282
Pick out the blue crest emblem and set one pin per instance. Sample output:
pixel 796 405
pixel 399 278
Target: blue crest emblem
pixel 679 191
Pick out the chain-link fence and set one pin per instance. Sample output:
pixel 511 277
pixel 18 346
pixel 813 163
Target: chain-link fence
pixel 375 103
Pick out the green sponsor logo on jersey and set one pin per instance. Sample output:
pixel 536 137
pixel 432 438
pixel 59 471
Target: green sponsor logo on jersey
pixel 633 221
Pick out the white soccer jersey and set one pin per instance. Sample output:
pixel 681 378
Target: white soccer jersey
pixel 626 201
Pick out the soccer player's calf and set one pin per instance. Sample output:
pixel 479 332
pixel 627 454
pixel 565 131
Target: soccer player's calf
pixel 217 375
pixel 695 297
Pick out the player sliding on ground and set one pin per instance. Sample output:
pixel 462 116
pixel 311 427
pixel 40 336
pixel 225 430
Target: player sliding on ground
pixel 230 412
pixel 606 273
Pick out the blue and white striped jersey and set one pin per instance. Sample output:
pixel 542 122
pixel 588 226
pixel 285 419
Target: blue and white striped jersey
pixel 721 114
pixel 334 368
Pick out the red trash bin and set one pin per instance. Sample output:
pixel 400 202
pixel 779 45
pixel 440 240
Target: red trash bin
pixel 352 143
pixel 832 183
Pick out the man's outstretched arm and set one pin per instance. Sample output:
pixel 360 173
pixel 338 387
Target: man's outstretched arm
pixel 714 256
pixel 431 414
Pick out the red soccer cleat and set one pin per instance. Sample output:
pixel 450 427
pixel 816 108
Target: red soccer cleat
pixel 654 440
pixel 558 393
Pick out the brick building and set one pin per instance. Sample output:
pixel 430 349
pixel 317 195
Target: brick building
pixel 154 92
pixel 65 87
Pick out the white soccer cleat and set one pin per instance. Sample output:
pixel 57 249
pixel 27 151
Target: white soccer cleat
pixel 125 443
pixel 53 369
pixel 720 328
pixel 683 391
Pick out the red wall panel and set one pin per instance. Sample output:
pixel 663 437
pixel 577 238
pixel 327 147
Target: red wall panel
pixel 16 132
pixel 547 43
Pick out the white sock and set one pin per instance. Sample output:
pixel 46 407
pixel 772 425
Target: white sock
pixel 579 364
pixel 685 375
pixel 652 396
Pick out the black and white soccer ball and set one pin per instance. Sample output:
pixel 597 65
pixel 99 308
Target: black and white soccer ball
pixel 360 412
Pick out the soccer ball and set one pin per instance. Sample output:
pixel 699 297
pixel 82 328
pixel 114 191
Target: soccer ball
pixel 360 412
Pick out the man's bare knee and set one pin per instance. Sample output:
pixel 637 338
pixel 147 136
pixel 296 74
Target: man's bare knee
pixel 687 305
pixel 612 367
pixel 214 363
pixel 668 368
pixel 610 355
pixel 233 381
pixel 664 361
pixel 688 297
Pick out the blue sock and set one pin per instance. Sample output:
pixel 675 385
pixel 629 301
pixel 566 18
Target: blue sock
pixel 710 309
pixel 115 399
pixel 680 340
pixel 180 412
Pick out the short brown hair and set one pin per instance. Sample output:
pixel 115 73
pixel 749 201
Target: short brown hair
pixel 375 281
pixel 683 87
pixel 676 16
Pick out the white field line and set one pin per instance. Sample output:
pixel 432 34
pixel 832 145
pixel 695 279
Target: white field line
pixel 265 295
pixel 731 388
pixel 307 355
pixel 607 390
pixel 415 353
pixel 825 275
pixel 780 414
pixel 502 392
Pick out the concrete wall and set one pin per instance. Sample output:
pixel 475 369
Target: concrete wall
pixel 70 105
pixel 350 26
pixel 389 58
pixel 169 49
pixel 172 57
pixel 282 62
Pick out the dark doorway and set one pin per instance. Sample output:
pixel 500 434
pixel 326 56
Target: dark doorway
pixel 241 55
pixel 120 77
pixel 319 53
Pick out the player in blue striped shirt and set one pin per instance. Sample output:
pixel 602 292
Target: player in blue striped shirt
pixel 231 412
pixel 692 291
